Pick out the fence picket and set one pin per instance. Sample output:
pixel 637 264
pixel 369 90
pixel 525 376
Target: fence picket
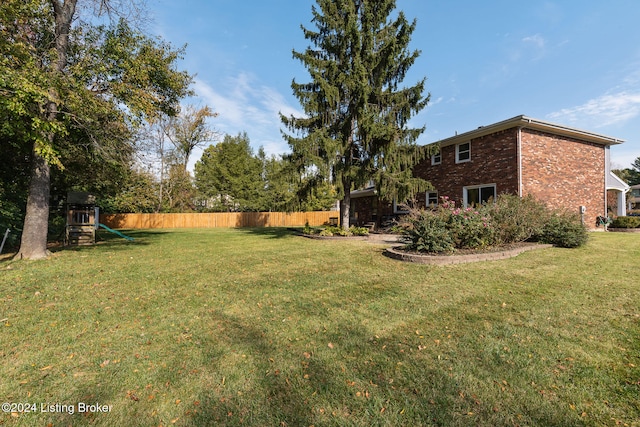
pixel 216 220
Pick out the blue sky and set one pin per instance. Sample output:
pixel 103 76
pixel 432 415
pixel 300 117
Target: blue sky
pixel 571 62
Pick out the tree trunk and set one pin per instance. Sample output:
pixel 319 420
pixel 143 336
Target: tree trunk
pixel 345 206
pixel 33 244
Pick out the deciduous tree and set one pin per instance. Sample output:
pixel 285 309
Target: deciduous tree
pixel 59 75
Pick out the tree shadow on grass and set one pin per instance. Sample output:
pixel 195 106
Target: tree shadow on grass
pixel 346 378
pixel 113 241
pixel 268 232
pixel 275 397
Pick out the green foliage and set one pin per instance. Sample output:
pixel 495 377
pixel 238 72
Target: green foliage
pixel 230 176
pixel 72 95
pixel 510 219
pixel 307 229
pixel 334 230
pixel 358 231
pixel 427 231
pixel 565 230
pixel 517 219
pixel 626 222
pixel 137 195
pixel 355 127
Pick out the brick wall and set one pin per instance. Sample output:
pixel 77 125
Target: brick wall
pixel 367 209
pixel 564 172
pixel 494 160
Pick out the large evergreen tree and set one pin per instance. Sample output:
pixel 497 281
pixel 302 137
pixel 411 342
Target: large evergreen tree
pixel 231 175
pixel 355 129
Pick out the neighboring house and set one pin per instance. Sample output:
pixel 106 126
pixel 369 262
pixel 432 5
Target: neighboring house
pixel 565 167
pixel 634 197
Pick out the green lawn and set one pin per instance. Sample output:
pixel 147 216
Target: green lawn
pixel 260 327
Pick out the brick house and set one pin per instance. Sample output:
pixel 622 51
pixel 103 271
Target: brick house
pixel 565 167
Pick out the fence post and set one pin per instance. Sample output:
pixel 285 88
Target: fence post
pixel 4 239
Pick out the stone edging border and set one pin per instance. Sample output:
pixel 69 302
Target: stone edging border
pixel 460 259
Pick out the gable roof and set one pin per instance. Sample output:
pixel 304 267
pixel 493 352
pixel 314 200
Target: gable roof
pixel 531 123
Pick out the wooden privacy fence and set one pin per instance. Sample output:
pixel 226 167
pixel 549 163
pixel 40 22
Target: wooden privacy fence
pixel 218 219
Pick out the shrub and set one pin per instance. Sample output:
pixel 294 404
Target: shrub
pixel 517 219
pixel 565 230
pixel 426 231
pixel 510 219
pixel 358 231
pixel 626 222
pixel 333 230
pixel 470 228
pixel 307 229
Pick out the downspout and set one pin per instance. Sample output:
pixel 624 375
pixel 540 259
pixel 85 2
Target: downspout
pixel 519 161
pixel 607 168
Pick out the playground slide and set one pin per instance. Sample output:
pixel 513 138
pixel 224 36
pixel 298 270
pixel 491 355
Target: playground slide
pixel 116 232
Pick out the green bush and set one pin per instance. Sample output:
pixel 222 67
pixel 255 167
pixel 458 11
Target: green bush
pixel 358 231
pixel 333 230
pixel 517 219
pixel 565 230
pixel 626 222
pixel 307 229
pixel 427 231
pixel 470 228
pixel 510 219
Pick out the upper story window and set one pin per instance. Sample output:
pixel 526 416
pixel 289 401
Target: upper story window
pixel 436 159
pixel 463 152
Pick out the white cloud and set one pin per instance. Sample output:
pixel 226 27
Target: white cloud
pixel 534 47
pixel 608 109
pixel 435 102
pixel 244 105
pixel 537 40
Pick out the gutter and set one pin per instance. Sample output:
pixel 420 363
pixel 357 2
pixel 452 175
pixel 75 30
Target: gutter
pixel 524 122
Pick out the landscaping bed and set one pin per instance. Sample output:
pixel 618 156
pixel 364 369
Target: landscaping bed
pixel 463 256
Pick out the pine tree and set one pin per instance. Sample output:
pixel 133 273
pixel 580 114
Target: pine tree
pixel 355 126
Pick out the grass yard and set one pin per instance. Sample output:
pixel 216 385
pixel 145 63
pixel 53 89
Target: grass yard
pixel 263 328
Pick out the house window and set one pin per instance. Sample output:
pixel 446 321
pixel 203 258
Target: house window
pixel 478 194
pixel 400 208
pixel 432 198
pixel 463 152
pixel 436 159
